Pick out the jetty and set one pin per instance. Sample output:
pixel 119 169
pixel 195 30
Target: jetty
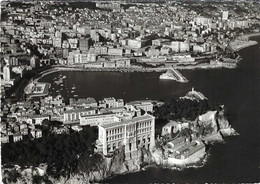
pixel 173 74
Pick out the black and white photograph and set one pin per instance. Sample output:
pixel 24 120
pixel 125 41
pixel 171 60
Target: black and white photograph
pixel 130 91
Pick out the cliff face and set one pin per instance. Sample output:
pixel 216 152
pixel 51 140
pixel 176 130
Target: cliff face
pixel 224 127
pixel 109 166
pixel 213 125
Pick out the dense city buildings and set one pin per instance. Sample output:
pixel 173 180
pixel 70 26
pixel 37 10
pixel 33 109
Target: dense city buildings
pixel 39 38
pixel 22 119
pixel 112 35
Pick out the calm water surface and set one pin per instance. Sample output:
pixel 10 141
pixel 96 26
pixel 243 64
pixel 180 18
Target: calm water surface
pixel 236 161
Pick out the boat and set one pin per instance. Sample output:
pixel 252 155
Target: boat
pixel 58 82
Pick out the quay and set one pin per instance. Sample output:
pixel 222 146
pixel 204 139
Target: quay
pixel 178 75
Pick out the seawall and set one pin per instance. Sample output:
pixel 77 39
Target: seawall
pixel 238 45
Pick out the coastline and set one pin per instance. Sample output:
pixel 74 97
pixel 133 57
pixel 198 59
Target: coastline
pixel 57 71
pixel 159 70
pixel 85 98
pixel 142 69
pixel 238 45
pixel 248 36
pixel 123 70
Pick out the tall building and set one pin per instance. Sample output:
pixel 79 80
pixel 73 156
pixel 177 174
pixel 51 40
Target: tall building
pixel 34 62
pixel 135 133
pixel 175 46
pixel 13 61
pixel 94 35
pixel 135 43
pixel 84 44
pixel 184 46
pixel 6 73
pixel 225 15
pixel 203 20
pixel 57 42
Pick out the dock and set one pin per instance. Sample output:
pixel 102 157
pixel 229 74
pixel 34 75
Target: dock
pixel 179 77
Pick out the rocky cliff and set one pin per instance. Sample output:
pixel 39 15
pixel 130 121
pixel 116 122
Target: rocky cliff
pixel 213 126
pixel 224 127
pixel 108 167
pixel 210 127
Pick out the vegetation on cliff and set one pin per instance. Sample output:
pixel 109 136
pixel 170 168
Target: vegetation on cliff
pixel 181 109
pixel 62 153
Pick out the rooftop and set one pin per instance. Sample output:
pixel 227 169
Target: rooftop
pixel 125 122
pixel 79 110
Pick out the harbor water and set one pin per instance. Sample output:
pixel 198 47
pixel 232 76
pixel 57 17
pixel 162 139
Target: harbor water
pixel 239 89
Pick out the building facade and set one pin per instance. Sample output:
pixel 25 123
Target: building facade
pixel 94 120
pixel 74 115
pixel 133 134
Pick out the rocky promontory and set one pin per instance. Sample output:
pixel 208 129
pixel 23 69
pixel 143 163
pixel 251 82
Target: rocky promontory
pixel 188 146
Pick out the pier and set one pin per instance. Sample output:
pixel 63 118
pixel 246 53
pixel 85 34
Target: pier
pixel 179 77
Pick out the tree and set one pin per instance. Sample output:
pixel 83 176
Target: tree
pixel 60 152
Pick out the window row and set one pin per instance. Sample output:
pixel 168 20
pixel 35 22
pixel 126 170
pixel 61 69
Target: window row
pixel 144 124
pixel 115 137
pixel 114 131
pixel 144 130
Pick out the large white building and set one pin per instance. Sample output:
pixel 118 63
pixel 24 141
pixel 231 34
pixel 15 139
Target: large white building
pixel 184 46
pixel 74 115
pixel 203 20
pixel 111 102
pixel 94 120
pixel 135 43
pixel 225 15
pixel 175 46
pixel 7 76
pixel 6 73
pixel 145 105
pixel 133 134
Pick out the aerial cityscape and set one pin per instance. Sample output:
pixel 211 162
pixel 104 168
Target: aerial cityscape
pixel 130 91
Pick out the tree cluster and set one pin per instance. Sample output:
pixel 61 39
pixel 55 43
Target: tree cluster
pixel 179 109
pixel 62 153
pixel 188 109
